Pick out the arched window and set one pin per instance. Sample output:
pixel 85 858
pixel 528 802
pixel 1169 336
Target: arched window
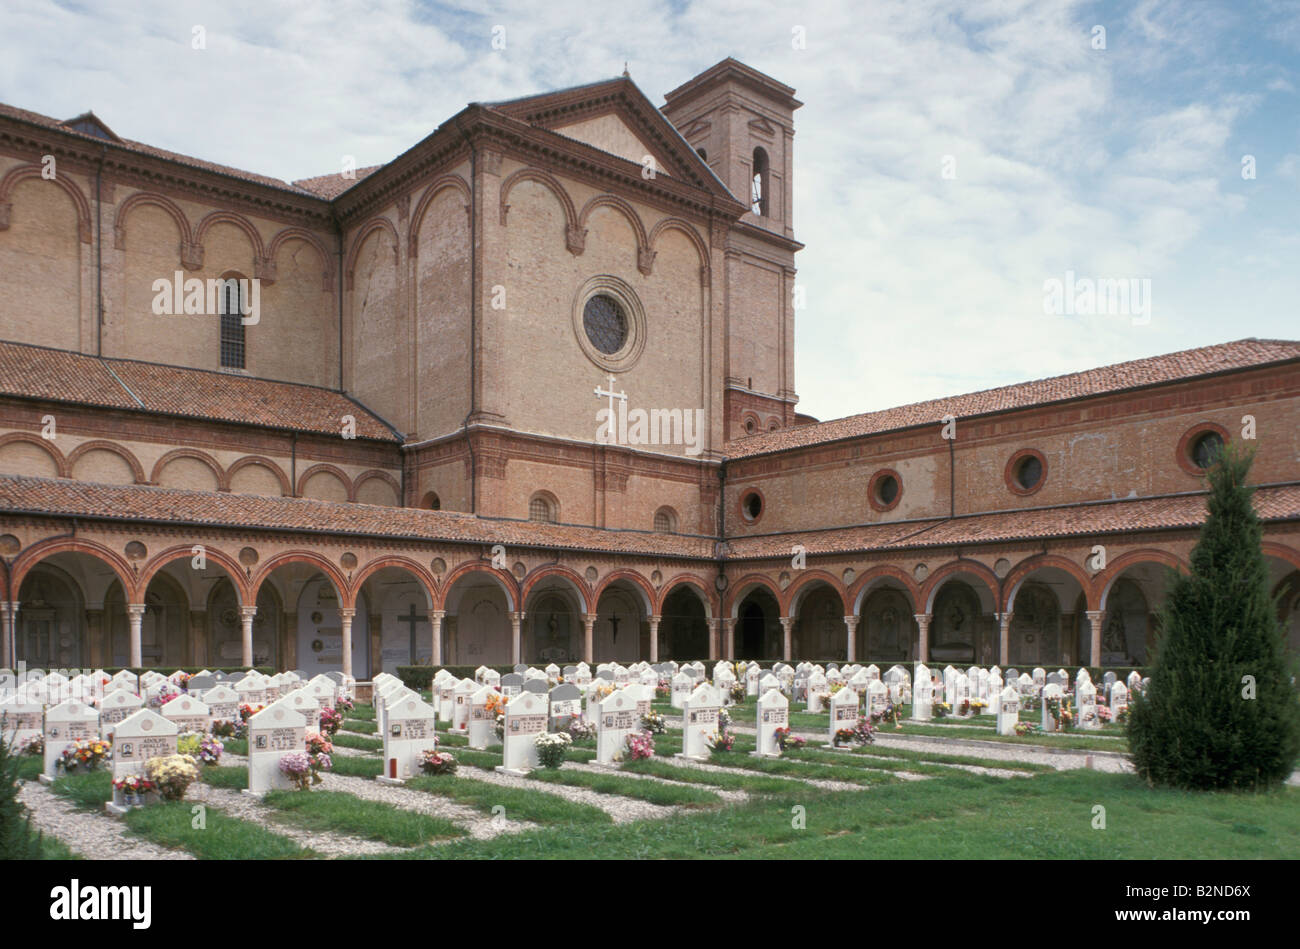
pixel 665 521
pixel 542 508
pixel 432 502
pixel 232 323
pixel 758 202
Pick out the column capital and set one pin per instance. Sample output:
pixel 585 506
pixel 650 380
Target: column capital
pixel 1005 618
pixel 588 619
pixel 852 620
pixel 518 616
pixel 1094 615
pixel 347 612
pixel 655 619
pixel 248 611
pixel 135 609
pixel 786 621
pixel 922 619
pixel 438 614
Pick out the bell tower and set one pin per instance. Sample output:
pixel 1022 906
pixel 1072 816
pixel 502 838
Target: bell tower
pixel 741 123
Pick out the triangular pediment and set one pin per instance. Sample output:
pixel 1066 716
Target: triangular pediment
pixel 617 118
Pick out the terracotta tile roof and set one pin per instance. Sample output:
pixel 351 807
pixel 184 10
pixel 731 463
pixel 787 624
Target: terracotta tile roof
pixel 60 125
pixel 330 187
pixel 60 376
pixel 62 497
pixel 1173 367
pixel 1091 520
pixel 249 511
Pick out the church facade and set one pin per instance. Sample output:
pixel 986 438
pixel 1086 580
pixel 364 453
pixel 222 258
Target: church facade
pixel 526 393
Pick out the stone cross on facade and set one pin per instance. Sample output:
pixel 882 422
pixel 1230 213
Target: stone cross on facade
pixel 611 395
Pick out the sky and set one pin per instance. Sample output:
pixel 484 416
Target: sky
pixel 955 160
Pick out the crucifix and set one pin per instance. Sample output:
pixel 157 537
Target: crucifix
pixel 411 619
pixel 613 621
pixel 611 395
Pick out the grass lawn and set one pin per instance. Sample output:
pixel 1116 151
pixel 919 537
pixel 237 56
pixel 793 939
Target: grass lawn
pixel 360 725
pixel 221 776
pixel 519 804
pixel 643 790
pixel 358 742
pixel 235 746
pixel 356 766
pixel 363 712
pixel 220 837
pixel 961 816
pixel 345 814
pixel 88 791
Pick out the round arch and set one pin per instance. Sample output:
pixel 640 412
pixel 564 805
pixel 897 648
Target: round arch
pixel 444 183
pixel 973 568
pixel 1105 580
pixel 636 581
pixel 325 468
pixel 341 587
pixel 286 489
pixel 21 173
pixel 737 592
pixel 362 235
pixel 550 182
pixel 509 586
pixel 295 233
pixel 1027 567
pixel 711 606
pixel 808 580
pixel 872 578
pixel 99 444
pixel 237 573
pixel 200 456
pixel 60 460
pixel 677 224
pixel 150 198
pixel 37 552
pixel 375 474
pixel 418 570
pixel 577 584
pixel 234 219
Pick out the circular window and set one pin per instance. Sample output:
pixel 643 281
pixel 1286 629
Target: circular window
pixel 1206 448
pixel 609 323
pixel 1200 446
pixel 751 505
pixel 1026 471
pixel 606 323
pixel 884 490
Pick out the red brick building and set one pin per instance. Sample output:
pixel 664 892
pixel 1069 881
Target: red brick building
pixel 526 392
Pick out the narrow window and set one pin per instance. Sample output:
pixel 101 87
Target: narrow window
pixel 232 326
pixel 758 202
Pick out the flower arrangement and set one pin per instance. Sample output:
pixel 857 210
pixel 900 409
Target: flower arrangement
pixel 225 728
pixel 87 754
pixel 343 704
pixel 720 741
pixel 654 723
pixel 32 746
pixel 247 711
pixel 437 762
pixel 738 692
pixel 210 750
pixel 964 709
pixel 940 710
pixel 500 727
pixel 1121 717
pixel 496 704
pixel 1104 715
pixel 640 745
pixel 785 739
pixel 297 767
pixel 172 775
pixel 182 681
pixel 604 691
pixel 187 743
pixel 581 729
pixel 864 734
pixel 844 736
pixel 977 706
pixel 330 721
pixel 551 748
pixel 318 744
pixel 134 785
pixel 1059 709
pixel 1025 728
pixel 724 720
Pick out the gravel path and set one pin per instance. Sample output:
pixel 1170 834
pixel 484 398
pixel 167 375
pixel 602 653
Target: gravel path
pixel 326 843
pixel 825 785
pixel 731 797
pixel 95 836
pixel 479 825
pixel 621 809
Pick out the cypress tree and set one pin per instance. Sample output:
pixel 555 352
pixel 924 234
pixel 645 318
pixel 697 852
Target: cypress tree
pixel 18 841
pixel 1221 711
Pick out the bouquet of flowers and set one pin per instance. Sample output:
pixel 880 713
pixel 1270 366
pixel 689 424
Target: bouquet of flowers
pixel 654 723
pixel 892 714
pixel 87 754
pixel 738 692
pixel 844 736
pixel 663 690
pixel 343 704
pixel 330 721
pixel 977 706
pixel 187 743
pixel 785 739
pixel 225 728
pixel 297 767
pixel 32 746
pixel 640 745
pixel 1104 714
pixel 1059 709
pixel 964 709
pixel 182 681
pixel 604 691
pixel 172 774
pixel 210 750
pixel 864 734
pixel 551 747
pixel 437 762
pixel 940 709
pixel 500 727
pixel 724 720
pixel 720 741
pixel 166 692
pixel 1121 716
pixel 134 784
pixel 1025 728
pixel 318 744
pixel 580 728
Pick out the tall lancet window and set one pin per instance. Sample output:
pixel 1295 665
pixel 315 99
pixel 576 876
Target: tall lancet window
pixel 761 184
pixel 232 325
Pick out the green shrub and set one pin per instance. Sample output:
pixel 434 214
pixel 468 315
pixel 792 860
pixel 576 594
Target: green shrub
pixel 18 841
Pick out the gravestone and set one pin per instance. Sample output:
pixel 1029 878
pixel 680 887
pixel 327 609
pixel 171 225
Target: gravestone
pixel 492 678
pixel 1118 699
pixel 552 671
pixel 252 691
pixel 139 737
pixel 23 721
pixel 1025 684
pixel 445 694
pixel 773 712
pixel 767 682
pixel 1050 691
pixel 844 713
pixel 1040 677
pixel 301 702
pixel 994 686
pixel 520 669
pixel 272 733
pixel 1134 680
pixel 961 696
pixel 799 687
pixel 922 695
pixel 565 706
pixel 478 674
pixel 117 706
pixel 199 685
pixel 644 697
pixel 1086 700
pixel 222 702
pixel 512 684
pixel 616 718
pixel 482 721
pixel 681 686
pixel 125 680
pixel 860 681
pixel 536 686
pixel 464 692
pixel 322 692
pixel 69 721
pixel 700 721
pixel 1107 681
pixel 1008 711
pixel 188 715
pixel 752 675
pixel 569 672
pixel 818 690
pixel 872 671
pixel 877 697
pixel 525 720
pixel 409 733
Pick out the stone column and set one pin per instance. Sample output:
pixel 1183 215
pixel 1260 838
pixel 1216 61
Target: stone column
pixel 198 645
pixel 851 623
pixel 8 634
pixel 95 640
pixel 787 637
pixel 1095 618
pixel 345 619
pixel 435 622
pixel 654 639
pixel 729 624
pixel 1004 640
pixel 923 624
pixel 516 637
pixel 588 638
pixel 135 615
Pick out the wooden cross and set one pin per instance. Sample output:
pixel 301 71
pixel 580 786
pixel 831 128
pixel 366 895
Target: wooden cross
pixel 411 619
